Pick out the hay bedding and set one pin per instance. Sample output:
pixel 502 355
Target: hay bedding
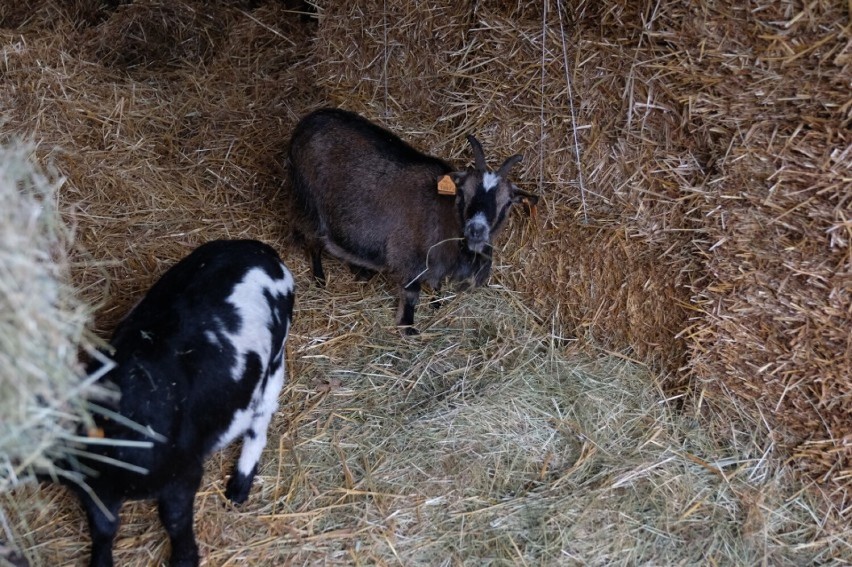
pixel 484 440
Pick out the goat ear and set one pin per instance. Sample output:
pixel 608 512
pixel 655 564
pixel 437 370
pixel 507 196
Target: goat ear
pixel 521 196
pixel 459 177
pixel 528 200
pixel 508 164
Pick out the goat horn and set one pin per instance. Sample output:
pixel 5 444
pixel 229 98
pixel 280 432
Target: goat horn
pixel 478 154
pixel 508 164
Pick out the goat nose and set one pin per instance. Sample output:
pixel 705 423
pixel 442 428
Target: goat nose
pixel 476 231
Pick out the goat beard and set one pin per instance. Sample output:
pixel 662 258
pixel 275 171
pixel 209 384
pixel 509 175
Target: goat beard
pixel 473 270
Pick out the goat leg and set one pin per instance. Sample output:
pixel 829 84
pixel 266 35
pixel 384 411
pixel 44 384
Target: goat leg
pixel 408 299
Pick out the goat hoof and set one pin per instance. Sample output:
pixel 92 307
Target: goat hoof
pixel 238 488
pixel 410 331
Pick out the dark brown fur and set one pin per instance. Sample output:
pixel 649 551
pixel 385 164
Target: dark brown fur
pixel 370 199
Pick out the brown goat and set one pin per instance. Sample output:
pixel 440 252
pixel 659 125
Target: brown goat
pixel 371 200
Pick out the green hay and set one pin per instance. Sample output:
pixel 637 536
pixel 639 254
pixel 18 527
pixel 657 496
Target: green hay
pixel 42 325
pixel 42 328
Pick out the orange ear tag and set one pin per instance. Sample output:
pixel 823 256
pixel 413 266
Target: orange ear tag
pixel 446 186
pixel 95 433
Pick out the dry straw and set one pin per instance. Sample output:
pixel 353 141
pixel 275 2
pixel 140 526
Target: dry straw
pixel 694 168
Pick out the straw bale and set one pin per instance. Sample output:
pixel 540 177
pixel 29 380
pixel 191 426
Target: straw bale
pixel 43 328
pixel 389 61
pixel 773 107
pixel 609 170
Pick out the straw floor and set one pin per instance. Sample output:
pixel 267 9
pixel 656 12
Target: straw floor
pixel 658 344
pixel 484 441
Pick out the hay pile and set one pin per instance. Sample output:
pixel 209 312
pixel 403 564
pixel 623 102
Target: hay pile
pixel 692 165
pixel 163 149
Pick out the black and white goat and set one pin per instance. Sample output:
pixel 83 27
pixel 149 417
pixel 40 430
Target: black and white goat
pixel 199 363
pixel 367 197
